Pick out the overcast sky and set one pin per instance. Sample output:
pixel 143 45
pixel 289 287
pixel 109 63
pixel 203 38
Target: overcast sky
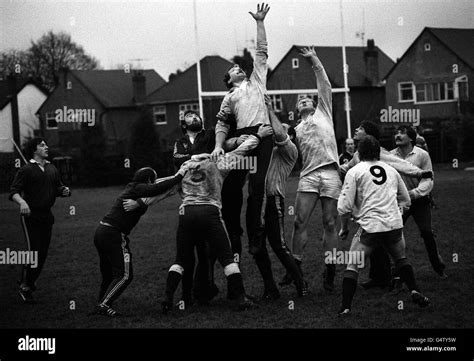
pixel 162 32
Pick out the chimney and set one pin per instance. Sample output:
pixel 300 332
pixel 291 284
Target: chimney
pixel 371 63
pixel 12 94
pixel 139 87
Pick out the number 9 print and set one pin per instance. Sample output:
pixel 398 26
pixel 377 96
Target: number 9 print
pixel 379 173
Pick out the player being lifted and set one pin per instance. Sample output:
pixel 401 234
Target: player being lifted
pixel 111 236
pixel 284 157
pixel 245 100
pixel 372 193
pixel 319 178
pixel 200 219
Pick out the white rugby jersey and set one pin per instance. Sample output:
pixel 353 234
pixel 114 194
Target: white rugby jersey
pixel 315 135
pixel 247 101
pixel 373 192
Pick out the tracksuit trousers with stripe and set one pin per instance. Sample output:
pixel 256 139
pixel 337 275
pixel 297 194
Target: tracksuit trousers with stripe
pixel 37 228
pixel 115 263
pixel 274 230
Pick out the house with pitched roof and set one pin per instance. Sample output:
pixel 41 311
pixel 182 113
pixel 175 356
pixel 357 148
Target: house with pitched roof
pixel 367 67
pixel 432 80
pixel 95 98
pixel 181 93
pixel 20 98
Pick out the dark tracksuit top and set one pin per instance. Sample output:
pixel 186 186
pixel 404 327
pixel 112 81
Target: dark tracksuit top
pixel 125 221
pixel 38 188
pixel 112 242
pixel 184 149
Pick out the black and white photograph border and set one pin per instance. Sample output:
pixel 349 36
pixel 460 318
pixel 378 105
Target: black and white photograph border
pixel 289 169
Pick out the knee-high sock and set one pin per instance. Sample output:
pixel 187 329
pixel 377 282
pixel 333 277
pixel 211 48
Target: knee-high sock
pixel 406 274
pixel 349 286
pixel 172 283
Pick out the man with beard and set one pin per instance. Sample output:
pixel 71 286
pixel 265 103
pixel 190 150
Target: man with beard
pixel 196 140
pixel 200 219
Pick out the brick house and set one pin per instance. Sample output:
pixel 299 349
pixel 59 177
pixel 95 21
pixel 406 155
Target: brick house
pixel 432 78
pixel 367 67
pixel 107 98
pixel 181 94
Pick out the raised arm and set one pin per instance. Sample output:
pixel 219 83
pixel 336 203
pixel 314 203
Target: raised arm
pixel 261 53
pixel 322 81
pixel 278 130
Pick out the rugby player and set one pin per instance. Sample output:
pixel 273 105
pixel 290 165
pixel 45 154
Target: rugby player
pixel 373 194
pixel 111 236
pixel 200 219
pixel 245 101
pixel 284 157
pixel 319 178
pixel 34 189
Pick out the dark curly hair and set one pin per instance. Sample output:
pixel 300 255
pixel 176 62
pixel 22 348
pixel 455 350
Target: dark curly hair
pixel 370 128
pixel 369 148
pixel 31 145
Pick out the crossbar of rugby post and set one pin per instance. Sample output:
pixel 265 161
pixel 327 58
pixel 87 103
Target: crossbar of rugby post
pixel 277 92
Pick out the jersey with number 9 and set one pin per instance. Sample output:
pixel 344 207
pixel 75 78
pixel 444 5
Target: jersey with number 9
pixel 373 191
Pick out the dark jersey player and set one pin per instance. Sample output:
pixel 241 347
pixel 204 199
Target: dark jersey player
pixel 111 236
pixel 34 189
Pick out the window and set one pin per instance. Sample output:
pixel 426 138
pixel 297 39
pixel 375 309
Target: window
pixel 405 92
pixel 434 92
pixel 51 121
pixel 449 90
pixel 421 92
pixel 295 63
pixel 462 88
pixel 427 47
pixel 159 114
pixel 277 103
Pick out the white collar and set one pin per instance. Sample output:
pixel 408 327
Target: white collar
pixel 34 161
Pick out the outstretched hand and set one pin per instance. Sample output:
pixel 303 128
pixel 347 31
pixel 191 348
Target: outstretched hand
pixel 262 11
pixel 308 52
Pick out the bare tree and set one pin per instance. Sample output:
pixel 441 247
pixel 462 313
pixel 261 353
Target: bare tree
pixel 46 56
